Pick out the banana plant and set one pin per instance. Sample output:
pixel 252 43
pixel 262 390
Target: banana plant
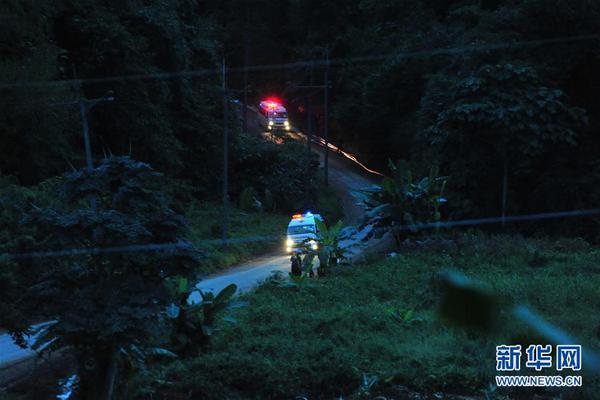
pixel 402 203
pixel 194 323
pixel 329 250
pixel 212 304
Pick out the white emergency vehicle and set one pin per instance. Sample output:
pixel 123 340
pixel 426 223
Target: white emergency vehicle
pixel 277 119
pixel 302 233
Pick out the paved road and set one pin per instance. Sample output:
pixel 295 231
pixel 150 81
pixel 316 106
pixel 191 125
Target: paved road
pixel 245 276
pixel 344 177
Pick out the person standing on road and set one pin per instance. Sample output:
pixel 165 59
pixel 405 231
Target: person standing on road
pixel 296 264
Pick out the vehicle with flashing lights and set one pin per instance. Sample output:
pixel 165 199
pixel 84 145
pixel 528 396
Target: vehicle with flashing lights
pixel 302 233
pixel 275 115
pixel 268 105
pixel 277 119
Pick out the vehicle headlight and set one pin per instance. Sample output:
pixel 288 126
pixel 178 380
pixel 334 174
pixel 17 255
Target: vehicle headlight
pixel 270 123
pixel 314 245
pixel 289 242
pixel 286 123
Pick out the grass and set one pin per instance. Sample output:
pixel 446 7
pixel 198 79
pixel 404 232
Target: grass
pixel 206 224
pixel 381 319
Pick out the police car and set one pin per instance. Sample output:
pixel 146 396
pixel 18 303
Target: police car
pixel 302 232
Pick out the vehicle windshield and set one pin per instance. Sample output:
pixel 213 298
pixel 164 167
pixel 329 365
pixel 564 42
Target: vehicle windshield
pixel 280 114
pixel 301 229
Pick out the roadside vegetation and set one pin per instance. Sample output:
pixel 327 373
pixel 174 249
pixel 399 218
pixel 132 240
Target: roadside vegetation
pixel 252 233
pixel 378 322
pixel 328 204
pixel 114 325
pixel 375 329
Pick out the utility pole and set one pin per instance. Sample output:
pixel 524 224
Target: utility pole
pixel 326 116
pixel 85 105
pixel 83 109
pixel 225 160
pixel 245 107
pixel 326 113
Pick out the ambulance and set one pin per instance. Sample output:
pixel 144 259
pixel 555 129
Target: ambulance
pixel 302 233
pixel 276 116
pixel 277 119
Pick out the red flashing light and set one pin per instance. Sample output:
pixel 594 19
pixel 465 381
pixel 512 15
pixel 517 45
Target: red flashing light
pixel 272 101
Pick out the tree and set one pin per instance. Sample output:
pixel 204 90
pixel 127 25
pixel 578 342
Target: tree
pixel 499 116
pixel 105 305
pixel 15 313
pixel 284 171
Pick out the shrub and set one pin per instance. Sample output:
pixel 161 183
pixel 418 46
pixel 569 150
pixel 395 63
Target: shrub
pixel 105 304
pixel 249 201
pixel 283 172
pixel 403 203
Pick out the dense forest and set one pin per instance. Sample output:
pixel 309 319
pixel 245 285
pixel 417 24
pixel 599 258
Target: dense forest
pixel 509 112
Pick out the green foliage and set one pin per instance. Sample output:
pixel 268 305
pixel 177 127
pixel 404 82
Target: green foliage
pixel 193 323
pixel 402 200
pixel 329 250
pixel 172 124
pixel 104 305
pixel 536 98
pixel 367 383
pixel 508 105
pixel 15 313
pixel 320 341
pixel 476 104
pixel 503 119
pixel 327 201
pixel 212 304
pixel 205 221
pixel 284 173
pixel 35 137
pixel 249 201
pixel 525 109
pixel 403 316
pixel 11 210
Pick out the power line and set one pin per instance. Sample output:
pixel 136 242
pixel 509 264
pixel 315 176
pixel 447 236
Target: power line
pixel 299 64
pixel 184 245
pixel 134 248
pixel 495 220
